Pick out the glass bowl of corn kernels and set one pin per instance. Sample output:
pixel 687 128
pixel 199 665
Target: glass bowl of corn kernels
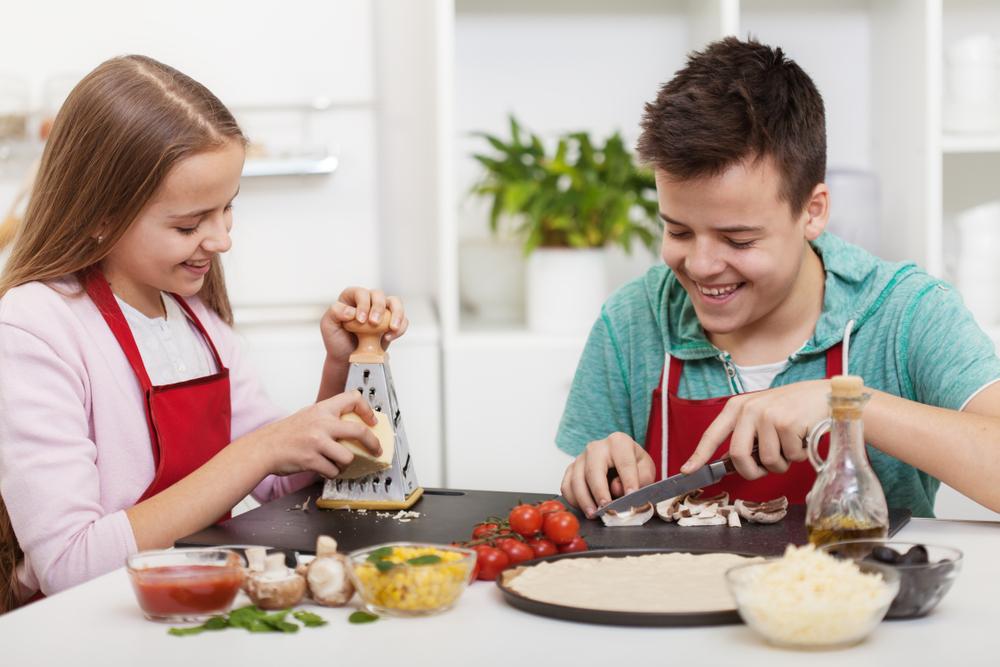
pixel 411 578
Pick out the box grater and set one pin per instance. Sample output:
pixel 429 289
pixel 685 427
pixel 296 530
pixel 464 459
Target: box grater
pixel 395 487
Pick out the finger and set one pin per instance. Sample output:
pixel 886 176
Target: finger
pixel 623 458
pixel 324 467
pixel 359 432
pixel 351 401
pixel 792 445
pixel 617 488
pixel 647 469
pixel 377 310
pixel 342 312
pixel 395 306
pixel 337 454
pixel 566 488
pixel 350 295
pixel 713 436
pixel 597 465
pixel 740 446
pixel 579 482
pixel 769 448
pixel 393 335
pixel 362 301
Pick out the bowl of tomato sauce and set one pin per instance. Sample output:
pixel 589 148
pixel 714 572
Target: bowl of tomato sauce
pixel 182 585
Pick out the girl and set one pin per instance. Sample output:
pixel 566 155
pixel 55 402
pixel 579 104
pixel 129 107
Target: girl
pixel 128 417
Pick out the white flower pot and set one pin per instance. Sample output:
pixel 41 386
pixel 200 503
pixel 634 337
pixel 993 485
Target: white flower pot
pixel 565 289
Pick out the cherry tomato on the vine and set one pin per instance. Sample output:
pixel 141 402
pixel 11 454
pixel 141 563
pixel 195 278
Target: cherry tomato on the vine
pixel 483 529
pixel 561 527
pixel 491 561
pixel 553 505
pixel 542 547
pixel 525 520
pixel 574 545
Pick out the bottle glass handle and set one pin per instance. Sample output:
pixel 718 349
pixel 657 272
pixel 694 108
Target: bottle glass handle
pixel 817 432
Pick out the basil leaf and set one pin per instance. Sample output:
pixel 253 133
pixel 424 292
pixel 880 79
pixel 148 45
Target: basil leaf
pixel 429 559
pixel 362 617
pixel 182 632
pixel 384 565
pixel 216 623
pixel 309 619
pixel 379 554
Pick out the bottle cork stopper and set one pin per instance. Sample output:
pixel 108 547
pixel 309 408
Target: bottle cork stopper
pixel 846 386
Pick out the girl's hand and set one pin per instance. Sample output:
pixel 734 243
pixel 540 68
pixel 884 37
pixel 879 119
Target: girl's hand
pixel 361 304
pixel 585 483
pixel 308 439
pixel 778 419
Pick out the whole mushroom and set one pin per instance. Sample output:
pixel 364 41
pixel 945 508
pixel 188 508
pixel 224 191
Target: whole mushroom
pixel 327 575
pixel 273 586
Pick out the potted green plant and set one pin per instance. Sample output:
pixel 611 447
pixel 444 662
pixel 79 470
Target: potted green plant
pixel 567 205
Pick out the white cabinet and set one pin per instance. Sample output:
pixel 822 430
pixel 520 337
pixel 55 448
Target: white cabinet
pixel 505 396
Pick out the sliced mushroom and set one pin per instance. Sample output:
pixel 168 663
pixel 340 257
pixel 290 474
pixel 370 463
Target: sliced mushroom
pixel 276 586
pixel 732 516
pixel 713 520
pixel 634 516
pixel 771 511
pixel 665 509
pixel 327 575
pixel 695 499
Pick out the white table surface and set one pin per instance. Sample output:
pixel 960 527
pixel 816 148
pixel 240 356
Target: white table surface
pixel 98 623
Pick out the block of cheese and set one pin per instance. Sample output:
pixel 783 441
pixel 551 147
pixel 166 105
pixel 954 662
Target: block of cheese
pixel 364 462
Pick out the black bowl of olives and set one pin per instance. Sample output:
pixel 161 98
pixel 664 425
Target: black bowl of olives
pixel 926 571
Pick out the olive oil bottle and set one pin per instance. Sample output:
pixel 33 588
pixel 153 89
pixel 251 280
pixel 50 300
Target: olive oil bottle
pixel 847 501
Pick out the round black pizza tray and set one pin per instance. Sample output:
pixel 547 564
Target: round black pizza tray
pixel 614 617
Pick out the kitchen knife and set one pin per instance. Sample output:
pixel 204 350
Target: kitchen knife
pixel 675 485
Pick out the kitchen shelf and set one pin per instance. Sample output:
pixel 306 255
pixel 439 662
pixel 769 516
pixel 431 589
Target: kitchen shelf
pixel 954 144
pixel 292 166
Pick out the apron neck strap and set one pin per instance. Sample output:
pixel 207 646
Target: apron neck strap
pixel 199 326
pixel 100 293
pixel 834 366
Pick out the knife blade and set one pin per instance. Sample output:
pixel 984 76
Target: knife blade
pixel 670 487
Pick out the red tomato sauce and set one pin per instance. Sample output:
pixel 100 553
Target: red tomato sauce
pixel 180 589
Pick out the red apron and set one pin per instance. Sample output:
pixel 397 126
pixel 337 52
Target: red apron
pixel 189 422
pixel 686 422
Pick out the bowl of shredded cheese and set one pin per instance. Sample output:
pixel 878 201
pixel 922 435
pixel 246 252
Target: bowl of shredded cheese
pixel 809 599
pixel 409 578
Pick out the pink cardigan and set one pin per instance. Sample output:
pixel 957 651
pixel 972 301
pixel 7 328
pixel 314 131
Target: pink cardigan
pixel 74 446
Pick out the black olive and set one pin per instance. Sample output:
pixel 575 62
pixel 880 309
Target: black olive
pixel 885 555
pixel 917 555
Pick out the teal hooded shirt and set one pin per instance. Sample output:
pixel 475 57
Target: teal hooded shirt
pixel 911 336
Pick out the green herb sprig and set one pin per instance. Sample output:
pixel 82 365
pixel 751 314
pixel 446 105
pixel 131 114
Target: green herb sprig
pixel 253 619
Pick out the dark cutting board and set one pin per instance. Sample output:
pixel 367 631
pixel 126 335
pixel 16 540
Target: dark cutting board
pixel 447 515
pixel 754 538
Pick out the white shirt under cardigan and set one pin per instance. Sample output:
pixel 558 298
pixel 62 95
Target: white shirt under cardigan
pixel 171 347
pixel 74 445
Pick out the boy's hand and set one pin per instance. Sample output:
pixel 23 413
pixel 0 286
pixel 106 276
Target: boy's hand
pixel 363 305
pixel 585 483
pixel 778 419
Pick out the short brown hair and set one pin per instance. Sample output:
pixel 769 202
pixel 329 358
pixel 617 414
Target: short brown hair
pixel 734 101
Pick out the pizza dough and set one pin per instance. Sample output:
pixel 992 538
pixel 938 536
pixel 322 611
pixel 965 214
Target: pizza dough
pixel 364 463
pixel 660 583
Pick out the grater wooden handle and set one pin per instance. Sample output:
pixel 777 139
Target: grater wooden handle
pixel 369 350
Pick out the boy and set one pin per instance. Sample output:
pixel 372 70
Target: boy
pixel 756 308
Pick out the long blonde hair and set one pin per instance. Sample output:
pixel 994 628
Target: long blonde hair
pixel 118 134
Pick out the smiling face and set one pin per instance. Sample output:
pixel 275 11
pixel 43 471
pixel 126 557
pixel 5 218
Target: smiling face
pixel 736 247
pixel 170 245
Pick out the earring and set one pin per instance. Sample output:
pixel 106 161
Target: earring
pixel 100 239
